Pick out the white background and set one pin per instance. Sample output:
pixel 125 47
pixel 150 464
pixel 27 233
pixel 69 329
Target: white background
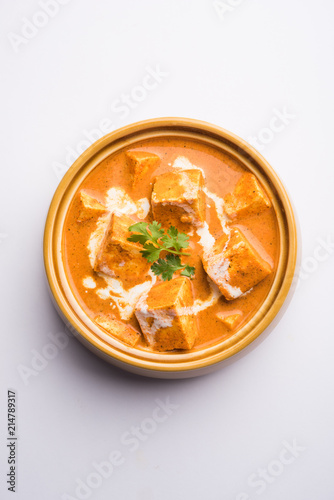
pixel 234 70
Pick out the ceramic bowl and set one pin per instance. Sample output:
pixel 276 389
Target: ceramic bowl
pixel 173 364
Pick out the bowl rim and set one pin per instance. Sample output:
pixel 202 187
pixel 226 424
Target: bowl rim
pixel 86 330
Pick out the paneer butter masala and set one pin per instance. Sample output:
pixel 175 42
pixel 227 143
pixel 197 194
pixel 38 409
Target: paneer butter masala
pixel 170 245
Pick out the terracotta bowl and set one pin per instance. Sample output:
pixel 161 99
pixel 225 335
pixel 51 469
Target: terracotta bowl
pixel 173 364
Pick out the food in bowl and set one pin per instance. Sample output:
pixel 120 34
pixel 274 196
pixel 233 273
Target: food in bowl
pixel 171 245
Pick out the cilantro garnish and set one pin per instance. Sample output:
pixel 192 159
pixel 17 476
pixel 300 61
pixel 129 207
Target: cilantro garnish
pixel 156 240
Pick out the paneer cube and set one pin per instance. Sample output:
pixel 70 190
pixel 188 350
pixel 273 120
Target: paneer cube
pixel 89 207
pixel 248 198
pixel 230 319
pixel 117 257
pixel 234 265
pixel 140 164
pixel 125 333
pixel 178 199
pixel 165 315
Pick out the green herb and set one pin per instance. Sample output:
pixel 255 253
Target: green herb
pixel 167 267
pixel 155 240
pixel 188 271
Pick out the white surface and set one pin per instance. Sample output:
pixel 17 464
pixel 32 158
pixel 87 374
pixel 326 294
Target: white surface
pixel 238 72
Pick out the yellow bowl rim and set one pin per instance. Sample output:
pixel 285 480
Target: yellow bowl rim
pixel 131 358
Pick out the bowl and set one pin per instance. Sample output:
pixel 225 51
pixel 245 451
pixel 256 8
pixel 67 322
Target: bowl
pixel 172 364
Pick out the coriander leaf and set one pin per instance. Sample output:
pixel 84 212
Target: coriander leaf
pixel 174 260
pixel 139 227
pixel 150 252
pixel 167 241
pixel 179 240
pixel 156 231
pixel 138 238
pixel 166 268
pixel 182 241
pixel 188 271
pixel 154 240
pixel 172 231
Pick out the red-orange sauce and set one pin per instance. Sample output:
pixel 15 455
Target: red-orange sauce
pixel 222 173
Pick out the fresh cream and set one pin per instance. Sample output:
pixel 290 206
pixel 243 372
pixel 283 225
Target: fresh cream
pixel 125 300
pixel 89 282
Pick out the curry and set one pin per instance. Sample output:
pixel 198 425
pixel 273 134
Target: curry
pixel 170 245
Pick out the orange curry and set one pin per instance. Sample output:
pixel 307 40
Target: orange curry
pixel 232 244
